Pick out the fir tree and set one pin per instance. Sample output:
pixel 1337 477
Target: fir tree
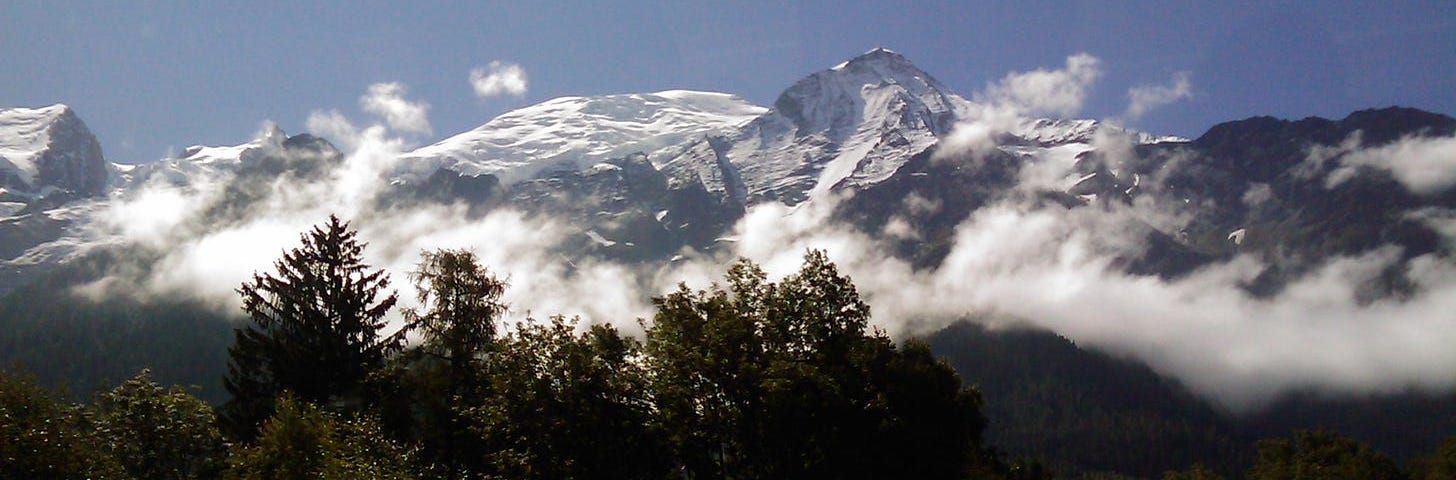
pixel 315 332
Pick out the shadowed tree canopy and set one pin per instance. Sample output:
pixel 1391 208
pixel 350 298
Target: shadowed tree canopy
pixel 564 404
pixel 1320 454
pixel 316 328
pixel 41 439
pixel 159 433
pixel 783 380
pixel 300 441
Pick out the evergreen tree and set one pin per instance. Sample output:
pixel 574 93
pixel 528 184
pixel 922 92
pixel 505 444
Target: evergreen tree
pixel 316 328
pixel 460 305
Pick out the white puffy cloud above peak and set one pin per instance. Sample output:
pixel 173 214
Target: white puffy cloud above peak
pixel 498 78
pixel 386 100
pixel 1046 92
pixel 335 127
pixel 1145 98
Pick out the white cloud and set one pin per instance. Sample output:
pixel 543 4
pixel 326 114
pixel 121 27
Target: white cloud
pixel 334 126
pixel 387 101
pixel 1144 98
pixel 498 78
pixel 1047 92
pixel 1059 269
pixel 1424 165
pixel 1003 105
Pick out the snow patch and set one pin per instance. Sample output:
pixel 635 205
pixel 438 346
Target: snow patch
pixel 577 132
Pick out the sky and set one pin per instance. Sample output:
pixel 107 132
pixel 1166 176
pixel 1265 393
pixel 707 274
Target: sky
pixel 153 77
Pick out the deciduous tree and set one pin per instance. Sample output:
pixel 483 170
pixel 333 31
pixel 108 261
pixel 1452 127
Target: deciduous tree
pixel 159 433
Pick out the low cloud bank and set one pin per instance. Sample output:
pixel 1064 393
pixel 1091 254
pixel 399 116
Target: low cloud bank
pixel 1424 165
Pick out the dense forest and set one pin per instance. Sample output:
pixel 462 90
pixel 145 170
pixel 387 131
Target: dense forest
pixel 749 378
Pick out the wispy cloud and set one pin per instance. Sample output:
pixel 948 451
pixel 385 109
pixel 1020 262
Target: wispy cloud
pixel 1005 103
pixel 387 101
pixel 498 78
pixel 1424 165
pixel 1145 98
pixel 1047 92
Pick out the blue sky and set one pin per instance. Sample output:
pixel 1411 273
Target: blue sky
pixel 153 77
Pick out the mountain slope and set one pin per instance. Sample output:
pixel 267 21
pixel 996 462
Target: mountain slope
pixel 571 133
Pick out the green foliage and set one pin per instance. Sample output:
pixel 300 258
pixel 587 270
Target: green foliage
pixel 158 433
pixel 566 405
pixel 461 302
pixel 1403 425
pixel 315 328
pixel 1320 454
pixel 781 380
pixel 41 439
pixel 300 441
pixel 1438 465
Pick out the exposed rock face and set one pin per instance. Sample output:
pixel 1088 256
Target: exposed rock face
pixel 47 149
pixel 74 160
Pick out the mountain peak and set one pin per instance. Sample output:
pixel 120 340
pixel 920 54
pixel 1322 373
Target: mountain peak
pixel 847 126
pixel 836 99
pixel 49 147
pixel 877 54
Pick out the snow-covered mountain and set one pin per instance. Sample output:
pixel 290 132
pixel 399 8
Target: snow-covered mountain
pixel 572 133
pixel 47 149
pixel 644 176
pixel 51 175
pixel 851 126
pixel 203 163
pixel 855 123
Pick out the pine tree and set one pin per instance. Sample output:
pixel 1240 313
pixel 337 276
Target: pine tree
pixel 462 303
pixel 315 332
pixel 459 306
